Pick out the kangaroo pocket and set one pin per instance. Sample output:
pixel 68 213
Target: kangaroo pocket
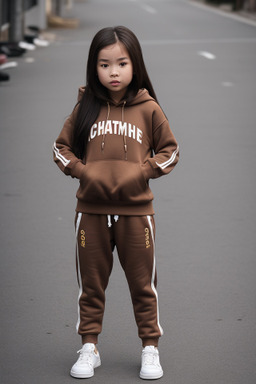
pixel 115 181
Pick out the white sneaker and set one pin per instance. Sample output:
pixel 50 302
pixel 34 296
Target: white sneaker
pixel 150 364
pixel 87 361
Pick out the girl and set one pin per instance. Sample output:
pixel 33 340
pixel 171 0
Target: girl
pixel 114 141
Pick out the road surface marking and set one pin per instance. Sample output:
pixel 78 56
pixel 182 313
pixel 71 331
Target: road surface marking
pixel 148 8
pixel 220 12
pixel 207 55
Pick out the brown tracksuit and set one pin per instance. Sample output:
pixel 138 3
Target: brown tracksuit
pixel 128 145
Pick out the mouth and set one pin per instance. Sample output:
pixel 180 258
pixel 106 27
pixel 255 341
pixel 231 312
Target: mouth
pixel 115 83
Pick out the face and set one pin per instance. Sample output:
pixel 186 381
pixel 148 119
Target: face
pixel 115 70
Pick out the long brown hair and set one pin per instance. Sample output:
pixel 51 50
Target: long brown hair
pixel 95 93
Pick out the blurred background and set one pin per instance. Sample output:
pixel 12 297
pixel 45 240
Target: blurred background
pixel 16 15
pixel 201 58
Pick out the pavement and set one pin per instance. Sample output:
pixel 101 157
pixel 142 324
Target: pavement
pixel 202 65
pixel 227 7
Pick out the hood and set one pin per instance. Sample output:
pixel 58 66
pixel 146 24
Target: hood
pixel 141 97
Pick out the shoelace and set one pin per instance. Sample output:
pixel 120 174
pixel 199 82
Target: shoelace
pixel 85 356
pixel 150 358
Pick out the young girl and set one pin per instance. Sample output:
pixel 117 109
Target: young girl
pixel 114 141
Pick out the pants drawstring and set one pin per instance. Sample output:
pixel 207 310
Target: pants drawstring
pixel 116 217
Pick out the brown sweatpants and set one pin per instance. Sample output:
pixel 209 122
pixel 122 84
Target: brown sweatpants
pixel 133 236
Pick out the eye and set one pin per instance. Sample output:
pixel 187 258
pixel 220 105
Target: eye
pixel 104 65
pixel 123 64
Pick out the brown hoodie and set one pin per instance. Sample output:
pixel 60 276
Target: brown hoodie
pixel 128 145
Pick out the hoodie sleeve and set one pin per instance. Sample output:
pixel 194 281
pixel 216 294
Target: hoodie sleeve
pixel 63 154
pixel 165 147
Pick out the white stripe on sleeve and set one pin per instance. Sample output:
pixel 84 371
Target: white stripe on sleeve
pixel 169 161
pixel 59 156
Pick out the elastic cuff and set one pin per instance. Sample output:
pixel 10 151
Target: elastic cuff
pixel 147 342
pixel 90 339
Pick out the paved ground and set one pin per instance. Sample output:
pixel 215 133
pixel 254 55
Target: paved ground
pixel 203 67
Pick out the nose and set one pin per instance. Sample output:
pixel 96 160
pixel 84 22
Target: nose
pixel 114 72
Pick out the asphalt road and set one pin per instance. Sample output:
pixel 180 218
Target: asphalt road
pixel 203 67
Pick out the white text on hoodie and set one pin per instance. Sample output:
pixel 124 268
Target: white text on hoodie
pixel 113 127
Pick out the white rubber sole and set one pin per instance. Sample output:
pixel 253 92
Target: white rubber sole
pixel 151 377
pixel 77 375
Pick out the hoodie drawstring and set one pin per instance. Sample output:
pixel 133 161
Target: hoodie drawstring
pixel 104 134
pixel 124 137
